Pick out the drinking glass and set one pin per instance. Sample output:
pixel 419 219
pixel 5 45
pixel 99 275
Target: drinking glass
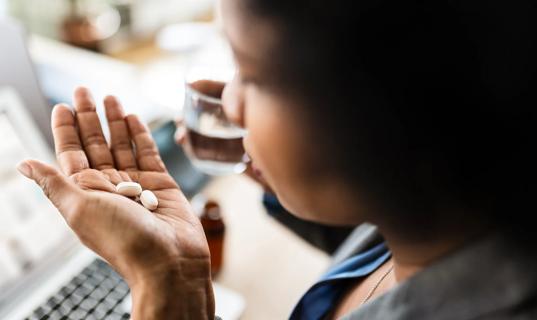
pixel 212 143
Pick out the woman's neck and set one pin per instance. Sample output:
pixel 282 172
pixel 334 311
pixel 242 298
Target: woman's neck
pixel 412 254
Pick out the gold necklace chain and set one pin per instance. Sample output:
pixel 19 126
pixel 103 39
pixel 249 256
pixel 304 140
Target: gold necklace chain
pixel 372 290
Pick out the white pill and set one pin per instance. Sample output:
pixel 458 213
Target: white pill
pixel 149 200
pixel 129 189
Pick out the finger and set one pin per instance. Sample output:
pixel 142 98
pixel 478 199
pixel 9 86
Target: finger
pixel 69 152
pixel 91 132
pixel 113 176
pixel 209 87
pixel 153 180
pixel 94 179
pixel 124 176
pixel 147 155
pixel 180 132
pixel 120 140
pixel 180 135
pixel 63 193
pixel 232 102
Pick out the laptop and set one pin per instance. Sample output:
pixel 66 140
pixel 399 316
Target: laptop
pixel 45 273
pixel 22 75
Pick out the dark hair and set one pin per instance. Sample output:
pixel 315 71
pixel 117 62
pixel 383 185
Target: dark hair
pixel 426 104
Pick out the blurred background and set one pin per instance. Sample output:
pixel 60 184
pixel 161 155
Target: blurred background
pixel 109 26
pixel 138 50
pixel 149 34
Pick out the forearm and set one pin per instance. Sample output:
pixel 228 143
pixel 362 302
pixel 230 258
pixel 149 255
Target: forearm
pixel 184 293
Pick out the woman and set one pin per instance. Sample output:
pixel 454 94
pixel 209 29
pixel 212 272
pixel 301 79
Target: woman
pixel 413 116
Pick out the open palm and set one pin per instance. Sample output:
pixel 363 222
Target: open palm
pixel 137 242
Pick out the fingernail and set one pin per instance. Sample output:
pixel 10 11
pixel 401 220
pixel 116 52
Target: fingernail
pixel 83 93
pixel 25 169
pixel 179 134
pixel 111 101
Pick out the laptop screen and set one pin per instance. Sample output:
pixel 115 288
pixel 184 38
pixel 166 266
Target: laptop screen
pixel 17 71
pixel 30 227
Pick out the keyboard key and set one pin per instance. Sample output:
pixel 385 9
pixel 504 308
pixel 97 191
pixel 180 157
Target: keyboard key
pixel 68 304
pixel 91 269
pixel 76 299
pixel 78 314
pixel 115 316
pixel 64 308
pixel 95 293
pixel 96 278
pixel 116 295
pixel 92 316
pixel 54 302
pixel 88 304
pixel 122 287
pixel 99 293
pixel 55 315
pixel 120 309
pixel 59 297
pixel 83 291
pixel 109 283
pixel 79 279
pixel 42 311
pixel 99 313
pixel 39 312
pixel 68 289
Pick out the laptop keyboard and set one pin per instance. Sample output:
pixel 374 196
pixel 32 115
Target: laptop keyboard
pixel 96 293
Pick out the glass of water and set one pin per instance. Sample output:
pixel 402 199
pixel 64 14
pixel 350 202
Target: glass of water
pixel 212 143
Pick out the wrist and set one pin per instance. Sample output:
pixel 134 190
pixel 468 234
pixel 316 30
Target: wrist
pixel 183 291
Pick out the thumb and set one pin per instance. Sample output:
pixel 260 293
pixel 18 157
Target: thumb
pixel 180 135
pixel 56 186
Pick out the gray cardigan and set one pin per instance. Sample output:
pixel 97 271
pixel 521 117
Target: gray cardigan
pixel 489 279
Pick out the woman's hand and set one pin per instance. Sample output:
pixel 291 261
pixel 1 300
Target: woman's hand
pixel 163 255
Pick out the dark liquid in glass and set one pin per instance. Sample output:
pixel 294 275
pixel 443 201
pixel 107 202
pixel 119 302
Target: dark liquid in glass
pixel 223 149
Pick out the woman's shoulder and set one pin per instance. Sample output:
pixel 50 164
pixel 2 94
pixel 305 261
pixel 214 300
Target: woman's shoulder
pixel 492 278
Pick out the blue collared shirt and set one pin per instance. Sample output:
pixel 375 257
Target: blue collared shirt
pixel 323 295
